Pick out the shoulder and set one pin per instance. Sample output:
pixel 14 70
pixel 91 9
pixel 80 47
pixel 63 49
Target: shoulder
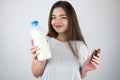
pixel 83 52
pixel 81 45
pixel 82 48
pixel 49 38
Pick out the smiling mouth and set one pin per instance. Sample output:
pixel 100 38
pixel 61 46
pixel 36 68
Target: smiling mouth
pixel 58 26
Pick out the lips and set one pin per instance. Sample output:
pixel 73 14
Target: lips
pixel 58 26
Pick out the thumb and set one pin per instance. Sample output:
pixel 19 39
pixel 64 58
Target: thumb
pixel 32 43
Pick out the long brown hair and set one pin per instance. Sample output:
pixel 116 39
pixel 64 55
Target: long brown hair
pixel 74 32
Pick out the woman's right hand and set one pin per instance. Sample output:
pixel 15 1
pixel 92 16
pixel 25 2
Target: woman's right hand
pixel 37 66
pixel 33 50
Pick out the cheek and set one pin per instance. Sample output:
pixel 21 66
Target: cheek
pixel 52 22
pixel 66 23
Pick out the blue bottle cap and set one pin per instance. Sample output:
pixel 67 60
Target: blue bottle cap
pixel 34 23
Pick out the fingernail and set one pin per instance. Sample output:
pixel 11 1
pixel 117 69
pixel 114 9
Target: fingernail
pixel 94 56
pixel 93 59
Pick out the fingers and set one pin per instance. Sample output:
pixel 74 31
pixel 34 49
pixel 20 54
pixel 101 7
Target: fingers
pixel 94 53
pixel 33 48
pixel 95 60
pixel 98 52
pixel 33 51
pixel 96 66
pixel 32 43
pixel 35 55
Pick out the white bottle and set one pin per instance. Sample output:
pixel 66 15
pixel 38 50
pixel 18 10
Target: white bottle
pixel 40 40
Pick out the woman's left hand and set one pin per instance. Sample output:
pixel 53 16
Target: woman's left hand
pixel 92 63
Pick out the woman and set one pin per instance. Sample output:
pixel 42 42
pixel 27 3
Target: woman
pixel 70 60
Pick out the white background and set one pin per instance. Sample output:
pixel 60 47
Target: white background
pixel 99 21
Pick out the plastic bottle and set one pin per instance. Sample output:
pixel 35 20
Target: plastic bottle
pixel 40 40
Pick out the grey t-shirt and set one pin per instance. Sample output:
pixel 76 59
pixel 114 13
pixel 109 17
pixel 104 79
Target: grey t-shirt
pixel 63 65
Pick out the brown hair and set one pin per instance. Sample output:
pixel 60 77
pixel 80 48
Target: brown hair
pixel 74 33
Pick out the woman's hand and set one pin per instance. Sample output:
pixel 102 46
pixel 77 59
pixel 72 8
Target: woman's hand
pixel 92 62
pixel 37 66
pixel 33 50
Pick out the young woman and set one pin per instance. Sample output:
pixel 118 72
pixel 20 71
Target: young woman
pixel 70 60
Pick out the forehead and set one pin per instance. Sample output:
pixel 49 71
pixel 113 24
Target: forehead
pixel 58 10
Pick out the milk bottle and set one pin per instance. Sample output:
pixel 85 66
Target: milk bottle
pixel 40 40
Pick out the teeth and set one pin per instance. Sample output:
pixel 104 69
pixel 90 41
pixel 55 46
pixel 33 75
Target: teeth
pixel 58 26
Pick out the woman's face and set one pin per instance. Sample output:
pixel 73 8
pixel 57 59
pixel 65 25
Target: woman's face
pixel 59 20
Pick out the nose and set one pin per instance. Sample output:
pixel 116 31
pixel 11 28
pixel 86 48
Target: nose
pixel 58 20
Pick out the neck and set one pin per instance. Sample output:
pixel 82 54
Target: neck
pixel 61 37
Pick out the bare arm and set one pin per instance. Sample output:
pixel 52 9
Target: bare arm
pixel 92 63
pixel 83 73
pixel 37 66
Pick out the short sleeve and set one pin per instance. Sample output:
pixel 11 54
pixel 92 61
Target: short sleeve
pixel 83 53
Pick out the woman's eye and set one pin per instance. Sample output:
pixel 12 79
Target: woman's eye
pixel 53 17
pixel 64 17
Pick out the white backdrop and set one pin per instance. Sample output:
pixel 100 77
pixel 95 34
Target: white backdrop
pixel 99 21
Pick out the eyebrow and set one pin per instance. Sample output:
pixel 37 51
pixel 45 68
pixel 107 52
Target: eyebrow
pixel 59 15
